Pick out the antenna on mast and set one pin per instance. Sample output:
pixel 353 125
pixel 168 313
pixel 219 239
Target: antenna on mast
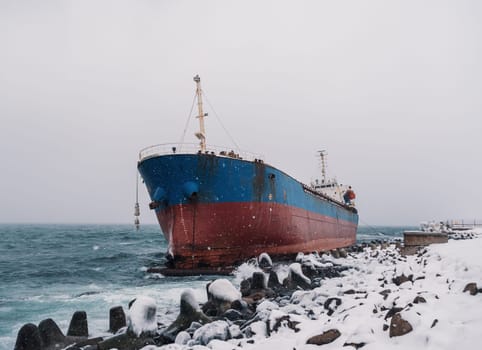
pixel 201 135
pixel 323 155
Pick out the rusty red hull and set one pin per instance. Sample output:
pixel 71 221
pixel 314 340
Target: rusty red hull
pixel 217 211
pixel 221 235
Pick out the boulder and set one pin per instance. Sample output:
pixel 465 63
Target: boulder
pixel 471 288
pixel 232 315
pixel 117 319
pixel 182 338
pixel 265 262
pixel 324 338
pixel 245 287
pixel 258 288
pixel 385 293
pixel 402 279
pixel 331 304
pixel 342 253
pixel 273 280
pixel 78 325
pixel 28 338
pixel 215 330
pixel 258 281
pixel 399 326
pixel 285 321
pixel 418 300
pixel 51 335
pixel 189 313
pixel 142 316
pixel 394 310
pixel 296 278
pixel 221 293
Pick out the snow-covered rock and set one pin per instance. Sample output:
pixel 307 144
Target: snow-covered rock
pixel 214 330
pixel 142 316
pixel 222 289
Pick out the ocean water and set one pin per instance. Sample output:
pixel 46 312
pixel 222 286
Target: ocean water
pixel 51 271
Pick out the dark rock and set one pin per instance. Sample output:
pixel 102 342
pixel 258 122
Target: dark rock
pixel 284 321
pixel 258 281
pixel 385 293
pixel 399 326
pixel 418 299
pixel 28 338
pixel 264 262
pixel 209 308
pixel 309 271
pixel 385 327
pixel 471 288
pixel 324 338
pixel 50 333
pixel 232 315
pixel 402 279
pixel 78 325
pixel 349 291
pixel 239 305
pixel 392 312
pixel 343 253
pixel 331 304
pixel 296 278
pixel 434 323
pixel 117 319
pixel 355 345
pixel 335 253
pixel 273 280
pixel 245 287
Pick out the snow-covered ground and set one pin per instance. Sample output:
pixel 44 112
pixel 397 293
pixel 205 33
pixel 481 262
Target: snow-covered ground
pixel 359 306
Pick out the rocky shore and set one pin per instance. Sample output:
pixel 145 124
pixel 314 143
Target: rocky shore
pixel 367 296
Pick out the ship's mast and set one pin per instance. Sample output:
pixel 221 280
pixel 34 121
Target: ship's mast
pixel 201 135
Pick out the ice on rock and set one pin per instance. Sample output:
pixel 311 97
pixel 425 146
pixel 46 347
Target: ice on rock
pixel 214 330
pixel 222 289
pixel 295 269
pixel 182 338
pixel 142 316
pixel 188 300
pixel 265 259
pixel 311 260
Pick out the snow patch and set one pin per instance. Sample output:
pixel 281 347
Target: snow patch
pixel 222 289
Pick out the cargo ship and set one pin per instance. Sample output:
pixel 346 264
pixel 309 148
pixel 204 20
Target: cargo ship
pixel 218 207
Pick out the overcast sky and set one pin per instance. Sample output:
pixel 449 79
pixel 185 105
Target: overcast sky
pixel 392 89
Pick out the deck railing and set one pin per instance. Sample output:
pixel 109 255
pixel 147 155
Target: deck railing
pixel 193 148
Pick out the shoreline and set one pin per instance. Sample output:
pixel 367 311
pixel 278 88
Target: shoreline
pixel 355 283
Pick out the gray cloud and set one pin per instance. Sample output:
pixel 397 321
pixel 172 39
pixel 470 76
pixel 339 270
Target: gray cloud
pixel 391 89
